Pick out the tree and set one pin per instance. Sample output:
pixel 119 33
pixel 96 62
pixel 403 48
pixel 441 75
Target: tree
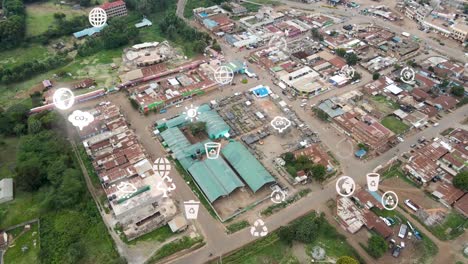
pixel 458 91
pixel 287 234
pixel 351 58
pixel 363 146
pixel 34 125
pixel 318 172
pixel 30 176
pixel 197 127
pixel 306 230
pixel 341 52
pixel 461 181
pixel 377 246
pixel 346 260
pixel 356 76
pixel 289 157
pixel 375 76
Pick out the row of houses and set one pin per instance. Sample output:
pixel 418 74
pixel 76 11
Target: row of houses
pixel 126 173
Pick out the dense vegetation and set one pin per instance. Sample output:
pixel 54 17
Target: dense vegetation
pixel 31 68
pixel 461 181
pixel 71 229
pixel 175 28
pixel 12 30
pixel 119 33
pixel 376 246
pixel 303 163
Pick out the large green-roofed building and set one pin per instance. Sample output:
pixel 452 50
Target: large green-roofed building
pixel 215 125
pixel 179 144
pixel 246 165
pixel 215 178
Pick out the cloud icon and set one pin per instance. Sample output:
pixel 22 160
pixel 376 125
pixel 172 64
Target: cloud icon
pixel 280 123
pixel 80 119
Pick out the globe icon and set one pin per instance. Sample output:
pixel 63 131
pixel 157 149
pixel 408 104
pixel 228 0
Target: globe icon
pixel 63 98
pixel 97 17
pixel 162 167
pixel 223 75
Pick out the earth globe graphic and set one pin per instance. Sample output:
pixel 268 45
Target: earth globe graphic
pixel 97 17
pixel 223 75
pixel 162 167
pixel 63 98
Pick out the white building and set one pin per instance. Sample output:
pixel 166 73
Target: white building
pixel 6 190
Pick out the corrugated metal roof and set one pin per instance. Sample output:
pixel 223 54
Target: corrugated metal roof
pixel 215 178
pixel 248 167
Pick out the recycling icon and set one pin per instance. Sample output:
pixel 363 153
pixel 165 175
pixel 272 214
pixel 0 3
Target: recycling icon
pixel 259 229
pixel 165 187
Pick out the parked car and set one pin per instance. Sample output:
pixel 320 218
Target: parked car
pixel 391 220
pixel 400 139
pixel 396 251
pixel 162 111
pixel 436 124
pixel 178 105
pixel 413 146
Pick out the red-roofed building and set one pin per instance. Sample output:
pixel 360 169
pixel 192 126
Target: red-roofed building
pixel 462 205
pixel 113 9
pixel 316 154
pixel 444 101
pixel 419 95
pixel 447 193
pixel 337 62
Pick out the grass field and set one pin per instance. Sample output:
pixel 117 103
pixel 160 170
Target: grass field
pixel 160 235
pixel 234 227
pixel 15 255
pixel 452 227
pixel 394 124
pixel 7 161
pixel 21 55
pixel 175 246
pixel 251 7
pixel 40 16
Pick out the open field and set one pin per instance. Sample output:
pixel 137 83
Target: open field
pixel 384 105
pixel 21 55
pixel 394 124
pixel 40 16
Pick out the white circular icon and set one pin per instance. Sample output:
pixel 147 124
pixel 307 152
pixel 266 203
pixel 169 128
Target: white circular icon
pixel 389 200
pixel 223 75
pixel 97 17
pixel 278 196
pixel 345 186
pixel 259 229
pixel 162 167
pixel 407 75
pixel 347 72
pixel 63 98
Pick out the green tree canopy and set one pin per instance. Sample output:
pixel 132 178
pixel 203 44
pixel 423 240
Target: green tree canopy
pixel 461 181
pixel 377 246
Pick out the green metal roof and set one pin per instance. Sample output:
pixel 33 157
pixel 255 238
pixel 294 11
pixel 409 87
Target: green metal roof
pixel 215 125
pixel 215 178
pixel 179 144
pixel 248 167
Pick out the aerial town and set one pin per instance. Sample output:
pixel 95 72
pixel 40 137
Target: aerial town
pixel 234 131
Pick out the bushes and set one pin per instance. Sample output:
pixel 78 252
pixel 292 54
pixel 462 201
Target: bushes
pixel 28 69
pixel 376 246
pixel 13 29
